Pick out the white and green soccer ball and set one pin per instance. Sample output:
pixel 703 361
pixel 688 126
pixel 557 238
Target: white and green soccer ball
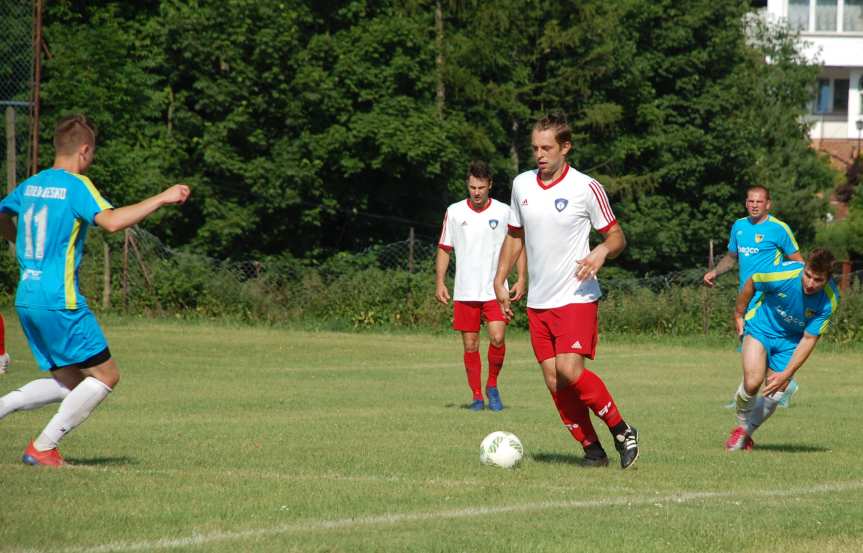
pixel 501 449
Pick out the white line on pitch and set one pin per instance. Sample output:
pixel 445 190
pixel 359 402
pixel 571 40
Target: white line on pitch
pixel 391 519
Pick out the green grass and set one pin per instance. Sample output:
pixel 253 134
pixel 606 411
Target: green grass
pixel 229 438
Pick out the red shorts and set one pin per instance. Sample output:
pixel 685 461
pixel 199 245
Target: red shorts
pixel 468 315
pixel 571 328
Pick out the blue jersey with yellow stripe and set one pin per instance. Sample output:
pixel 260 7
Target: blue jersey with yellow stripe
pixel 760 246
pixel 784 310
pixel 54 208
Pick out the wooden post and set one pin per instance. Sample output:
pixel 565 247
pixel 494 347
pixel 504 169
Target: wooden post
pixel 106 278
pixel 147 278
pixel 845 280
pixel 411 250
pixel 705 295
pixel 710 259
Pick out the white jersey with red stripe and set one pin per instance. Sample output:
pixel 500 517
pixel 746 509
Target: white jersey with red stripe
pixel 476 236
pixel 557 218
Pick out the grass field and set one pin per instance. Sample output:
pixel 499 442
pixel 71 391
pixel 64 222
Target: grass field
pixel 233 439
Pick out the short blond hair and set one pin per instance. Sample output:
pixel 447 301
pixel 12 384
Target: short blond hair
pixel 71 132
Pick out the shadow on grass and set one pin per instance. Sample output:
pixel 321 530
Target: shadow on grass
pixel 465 406
pixel 791 448
pixel 102 461
pixel 556 458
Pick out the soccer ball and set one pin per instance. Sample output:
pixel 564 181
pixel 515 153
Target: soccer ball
pixel 501 449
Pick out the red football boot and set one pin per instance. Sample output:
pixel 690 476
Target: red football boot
pixel 50 458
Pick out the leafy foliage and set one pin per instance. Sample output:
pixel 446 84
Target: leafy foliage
pixel 310 127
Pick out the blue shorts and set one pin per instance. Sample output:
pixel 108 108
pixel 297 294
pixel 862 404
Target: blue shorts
pixel 61 337
pixel 779 350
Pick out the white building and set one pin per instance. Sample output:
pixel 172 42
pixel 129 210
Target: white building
pixel 832 35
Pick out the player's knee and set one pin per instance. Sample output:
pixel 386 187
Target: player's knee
pixel 107 373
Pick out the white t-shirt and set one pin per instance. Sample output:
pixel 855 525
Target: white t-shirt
pixel 476 237
pixel 557 219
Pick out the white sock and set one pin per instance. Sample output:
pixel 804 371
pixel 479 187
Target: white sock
pixel 73 411
pixel 33 395
pixel 744 403
pixel 764 407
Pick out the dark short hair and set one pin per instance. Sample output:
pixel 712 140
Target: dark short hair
pixel 821 261
pixel 71 132
pixel 479 170
pixel 759 187
pixel 557 123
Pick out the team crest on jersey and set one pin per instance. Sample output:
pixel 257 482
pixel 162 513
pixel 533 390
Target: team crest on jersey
pixel 560 204
pixel 809 313
pixel 759 238
pixel 492 223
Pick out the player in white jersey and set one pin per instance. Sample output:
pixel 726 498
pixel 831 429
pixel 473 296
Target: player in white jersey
pixel 475 229
pixel 554 209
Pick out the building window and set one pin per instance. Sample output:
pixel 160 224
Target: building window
pixel 826 16
pixel 840 95
pixel 852 20
pixel 832 96
pixel 798 14
pixel 826 12
pixel 822 102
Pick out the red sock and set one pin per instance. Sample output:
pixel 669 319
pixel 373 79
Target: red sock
pixel 473 368
pixel 575 416
pixel 592 392
pixel 495 364
pixel 2 335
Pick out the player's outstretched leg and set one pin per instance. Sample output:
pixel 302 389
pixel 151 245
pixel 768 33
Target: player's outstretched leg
pixel 765 406
pixel 4 355
pixel 32 395
pixel 792 388
pixel 72 412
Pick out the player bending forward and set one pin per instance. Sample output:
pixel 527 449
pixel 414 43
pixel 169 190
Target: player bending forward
pixel 54 210
pixel 554 209
pixel 779 333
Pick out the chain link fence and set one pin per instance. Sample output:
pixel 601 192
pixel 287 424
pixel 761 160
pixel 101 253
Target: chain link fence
pixel 383 285
pixel 16 82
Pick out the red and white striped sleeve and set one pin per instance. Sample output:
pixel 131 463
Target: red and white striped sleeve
pixel 601 216
pixel 445 240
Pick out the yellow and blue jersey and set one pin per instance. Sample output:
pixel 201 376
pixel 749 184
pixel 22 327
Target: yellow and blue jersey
pixel 784 310
pixel 760 247
pixel 54 208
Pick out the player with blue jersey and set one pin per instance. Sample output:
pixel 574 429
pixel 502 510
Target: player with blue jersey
pixel 54 210
pixel 779 331
pixel 756 243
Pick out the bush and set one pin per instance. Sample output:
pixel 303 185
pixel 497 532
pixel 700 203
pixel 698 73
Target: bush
pixel 375 290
